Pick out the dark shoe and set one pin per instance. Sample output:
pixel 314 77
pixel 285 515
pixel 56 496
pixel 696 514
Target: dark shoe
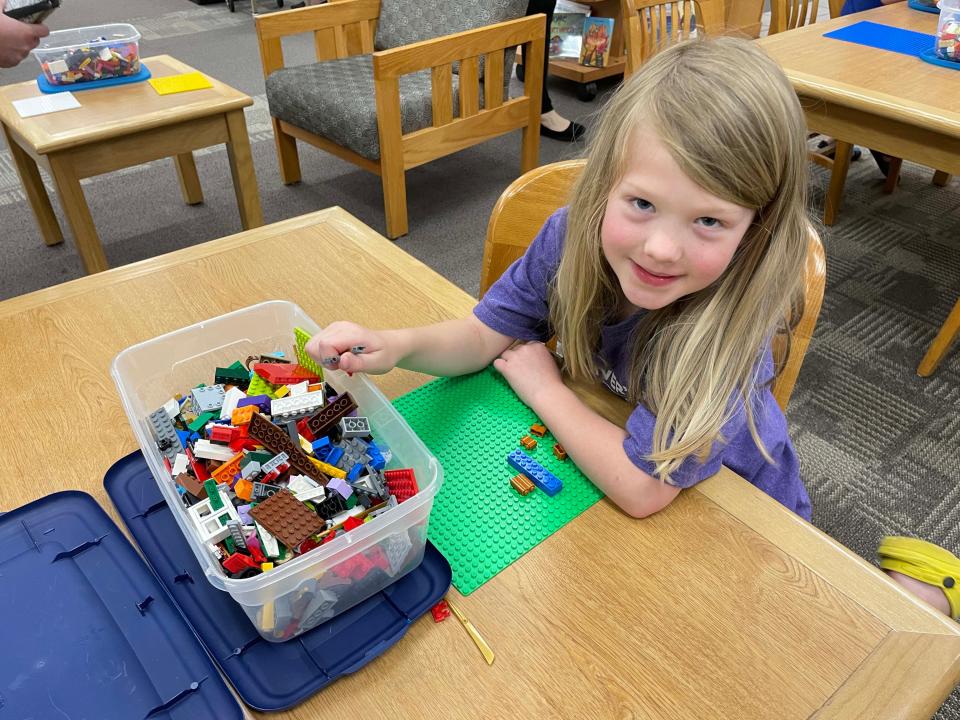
pixel 828 148
pixel 883 162
pixel 574 131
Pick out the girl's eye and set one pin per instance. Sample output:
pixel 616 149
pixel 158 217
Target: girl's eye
pixel 709 222
pixel 643 205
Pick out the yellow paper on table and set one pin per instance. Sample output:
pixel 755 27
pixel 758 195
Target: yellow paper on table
pixel 180 83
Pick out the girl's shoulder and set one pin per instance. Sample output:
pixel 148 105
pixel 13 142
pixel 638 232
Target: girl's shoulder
pixel 550 240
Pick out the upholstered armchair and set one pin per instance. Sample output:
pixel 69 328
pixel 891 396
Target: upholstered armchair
pixel 399 83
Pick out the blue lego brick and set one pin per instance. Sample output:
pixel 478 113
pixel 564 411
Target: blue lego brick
pixel 377 461
pixel 321 448
pixel 354 473
pixel 541 477
pixel 334 457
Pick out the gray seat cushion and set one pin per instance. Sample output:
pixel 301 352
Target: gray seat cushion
pixel 407 21
pixel 335 99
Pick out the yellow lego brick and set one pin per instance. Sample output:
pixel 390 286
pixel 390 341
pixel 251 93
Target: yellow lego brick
pixel 281 391
pixel 266 566
pixel 301 337
pixel 328 469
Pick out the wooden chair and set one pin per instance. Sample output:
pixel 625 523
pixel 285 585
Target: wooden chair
pixel 416 98
pixel 655 24
pixel 530 199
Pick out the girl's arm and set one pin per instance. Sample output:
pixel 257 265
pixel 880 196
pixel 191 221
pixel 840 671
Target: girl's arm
pixel 594 443
pixel 454 347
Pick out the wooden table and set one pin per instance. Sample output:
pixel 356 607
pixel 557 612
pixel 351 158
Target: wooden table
pixel 886 101
pixel 724 605
pixel 120 126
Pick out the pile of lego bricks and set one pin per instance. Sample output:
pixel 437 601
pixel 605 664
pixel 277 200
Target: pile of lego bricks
pixel 271 462
pixel 98 63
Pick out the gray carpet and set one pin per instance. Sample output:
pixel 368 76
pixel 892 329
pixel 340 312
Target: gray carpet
pixel 880 447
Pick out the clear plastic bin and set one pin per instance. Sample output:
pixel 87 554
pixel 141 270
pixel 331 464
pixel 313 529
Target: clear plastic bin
pixel 86 54
pixel 948 31
pixel 301 593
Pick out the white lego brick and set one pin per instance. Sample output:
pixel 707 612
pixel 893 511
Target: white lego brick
pixel 211 451
pixel 273 463
pixel 397 547
pixel 230 400
pixel 180 464
pixel 172 408
pixel 267 541
pixel 299 388
pixel 293 405
pixel 353 427
pixel 208 521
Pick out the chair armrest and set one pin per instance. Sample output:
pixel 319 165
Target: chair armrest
pixel 315 17
pixel 418 56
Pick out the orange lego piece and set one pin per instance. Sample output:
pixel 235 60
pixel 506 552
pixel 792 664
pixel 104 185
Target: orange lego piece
pixel 559 452
pixel 528 442
pixel 242 416
pixel 225 473
pixel 538 429
pixel 522 484
pixel 244 489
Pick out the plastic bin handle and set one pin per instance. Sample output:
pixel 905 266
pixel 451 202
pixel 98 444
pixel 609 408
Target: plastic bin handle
pixel 377 650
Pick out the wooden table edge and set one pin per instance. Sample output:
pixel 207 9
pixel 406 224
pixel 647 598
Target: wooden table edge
pixel 873 590
pixel 11 118
pixel 907 676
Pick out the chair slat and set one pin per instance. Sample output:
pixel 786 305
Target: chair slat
pixel 493 79
pixel 366 37
pixel 340 41
pixel 469 87
pixel 442 94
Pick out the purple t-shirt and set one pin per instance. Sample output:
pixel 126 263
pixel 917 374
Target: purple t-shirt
pixel 516 305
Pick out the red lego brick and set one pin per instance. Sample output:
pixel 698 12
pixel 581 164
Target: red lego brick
pixel 440 611
pixel 401 483
pixel 350 523
pixel 237 562
pixel 284 373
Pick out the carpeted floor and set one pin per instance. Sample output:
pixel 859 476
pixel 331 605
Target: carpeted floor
pixel 880 447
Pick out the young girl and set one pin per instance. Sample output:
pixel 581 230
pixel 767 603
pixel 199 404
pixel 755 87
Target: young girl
pixel 679 257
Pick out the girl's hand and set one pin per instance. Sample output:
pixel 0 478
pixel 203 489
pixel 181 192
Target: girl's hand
pixel 531 371
pixel 352 348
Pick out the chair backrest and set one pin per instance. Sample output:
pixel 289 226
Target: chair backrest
pixel 790 14
pixel 653 25
pixel 530 199
pixel 404 22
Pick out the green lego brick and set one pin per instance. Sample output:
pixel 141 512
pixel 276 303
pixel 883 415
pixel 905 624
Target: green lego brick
pixel 301 337
pixel 201 421
pixel 259 386
pixel 479 522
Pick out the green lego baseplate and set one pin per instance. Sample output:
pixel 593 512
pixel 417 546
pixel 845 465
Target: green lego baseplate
pixel 479 522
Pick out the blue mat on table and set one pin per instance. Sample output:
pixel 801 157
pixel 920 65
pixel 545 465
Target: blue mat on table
pixel 884 37
pixel 47 87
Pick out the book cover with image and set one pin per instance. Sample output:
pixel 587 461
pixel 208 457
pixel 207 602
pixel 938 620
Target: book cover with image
pixel 595 48
pixel 566 35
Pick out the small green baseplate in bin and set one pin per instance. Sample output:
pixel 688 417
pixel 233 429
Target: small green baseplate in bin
pixel 479 522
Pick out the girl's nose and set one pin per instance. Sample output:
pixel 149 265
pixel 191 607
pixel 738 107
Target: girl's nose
pixel 661 244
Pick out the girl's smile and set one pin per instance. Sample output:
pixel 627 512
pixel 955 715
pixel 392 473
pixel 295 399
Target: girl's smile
pixel 651 278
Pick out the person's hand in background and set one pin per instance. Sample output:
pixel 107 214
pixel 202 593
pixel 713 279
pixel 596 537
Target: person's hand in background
pixel 17 38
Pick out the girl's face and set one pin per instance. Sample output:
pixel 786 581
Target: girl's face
pixel 664 236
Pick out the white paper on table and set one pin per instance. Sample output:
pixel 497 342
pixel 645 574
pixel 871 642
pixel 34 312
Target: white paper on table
pixel 46 104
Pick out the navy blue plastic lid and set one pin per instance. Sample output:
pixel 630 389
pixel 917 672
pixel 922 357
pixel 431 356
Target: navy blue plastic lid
pixel 267 675
pixel 89 633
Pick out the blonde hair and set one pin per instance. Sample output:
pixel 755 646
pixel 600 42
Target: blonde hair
pixel 732 122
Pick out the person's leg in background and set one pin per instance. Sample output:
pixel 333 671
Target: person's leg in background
pixel 552 124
